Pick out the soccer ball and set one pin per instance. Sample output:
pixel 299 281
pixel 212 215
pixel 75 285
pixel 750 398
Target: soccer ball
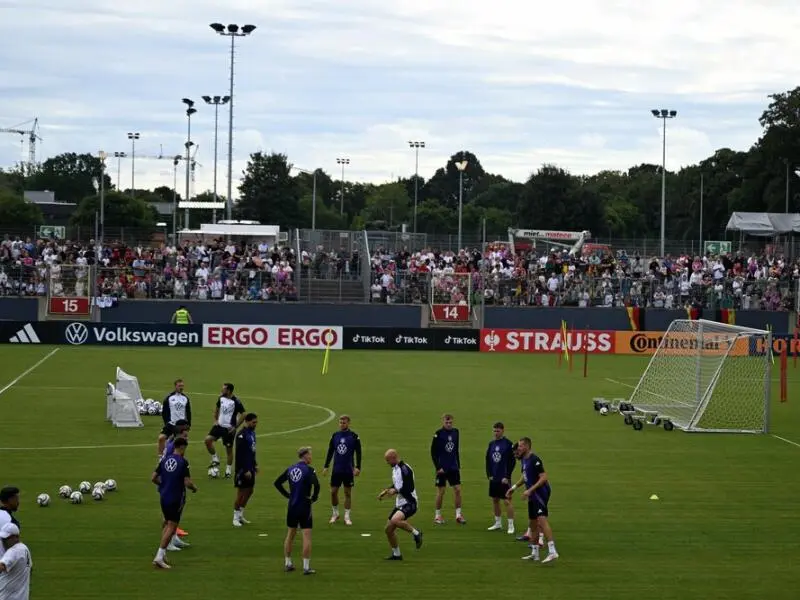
pixel 98 494
pixel 100 484
pixel 85 487
pixel 604 410
pixel 65 491
pixel 152 411
pixel 76 498
pixel 213 472
pixel 43 500
pixel 111 485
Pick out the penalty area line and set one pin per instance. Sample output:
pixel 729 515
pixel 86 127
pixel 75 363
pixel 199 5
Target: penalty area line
pixel 27 371
pixel 777 437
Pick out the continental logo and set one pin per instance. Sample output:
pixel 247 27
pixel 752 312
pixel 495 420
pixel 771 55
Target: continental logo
pixel 647 342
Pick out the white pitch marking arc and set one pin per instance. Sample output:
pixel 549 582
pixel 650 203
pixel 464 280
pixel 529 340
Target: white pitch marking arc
pixel 331 416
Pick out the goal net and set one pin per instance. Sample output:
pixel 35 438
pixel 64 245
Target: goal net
pixel 121 401
pixel 709 377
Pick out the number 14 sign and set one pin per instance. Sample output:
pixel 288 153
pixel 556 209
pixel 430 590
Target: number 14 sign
pixel 69 306
pixel 450 312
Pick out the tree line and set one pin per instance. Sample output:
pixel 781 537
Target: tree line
pixel 622 204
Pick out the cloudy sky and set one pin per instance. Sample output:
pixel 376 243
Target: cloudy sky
pixel 519 83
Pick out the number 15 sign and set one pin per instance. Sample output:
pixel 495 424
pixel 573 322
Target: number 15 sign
pixel 69 306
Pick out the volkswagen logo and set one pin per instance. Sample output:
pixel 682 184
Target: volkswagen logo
pixel 76 333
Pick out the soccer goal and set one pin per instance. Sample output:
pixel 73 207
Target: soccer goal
pixel 121 401
pixel 709 377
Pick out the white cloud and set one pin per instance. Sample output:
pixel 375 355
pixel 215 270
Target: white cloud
pixel 518 83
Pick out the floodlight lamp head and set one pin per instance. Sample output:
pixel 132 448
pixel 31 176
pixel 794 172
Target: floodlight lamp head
pixel 461 165
pixel 248 29
pixel 190 111
pixel 664 112
pixel 656 112
pixel 673 114
pixel 218 27
pixel 95 184
pixel 187 102
pixel 102 155
pixel 206 99
pixel 233 28
pixel 217 99
pixel 225 99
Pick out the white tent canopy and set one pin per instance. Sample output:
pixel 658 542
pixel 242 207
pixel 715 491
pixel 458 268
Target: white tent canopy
pixel 766 224
pixel 268 233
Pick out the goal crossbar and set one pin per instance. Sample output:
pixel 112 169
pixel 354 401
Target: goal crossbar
pixel 709 377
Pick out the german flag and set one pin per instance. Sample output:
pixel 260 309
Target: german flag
pixel 634 316
pixel 692 313
pixel 727 315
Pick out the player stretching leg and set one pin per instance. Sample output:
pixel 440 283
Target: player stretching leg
pixel 446 461
pixel 303 492
pixel 246 467
pixel 228 413
pixel 345 450
pixel 181 430
pixel 405 505
pixel 176 406
pixel 172 478
pixel 537 493
pixel 500 462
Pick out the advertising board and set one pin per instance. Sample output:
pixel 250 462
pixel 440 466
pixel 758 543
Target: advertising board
pixel 80 333
pixel 546 340
pixel 645 343
pixel 388 338
pixel 272 337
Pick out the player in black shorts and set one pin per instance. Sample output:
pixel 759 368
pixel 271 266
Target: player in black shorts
pixel 175 407
pixel 537 494
pixel 303 492
pixel 345 451
pixel 447 462
pixel 405 504
pixel 246 468
pixel 500 463
pixel 228 415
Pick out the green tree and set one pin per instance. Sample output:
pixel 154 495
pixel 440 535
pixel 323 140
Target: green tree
pixel 444 185
pixel 781 122
pixel 120 211
pixel 16 212
pixel 389 203
pixel 268 193
pixel 70 176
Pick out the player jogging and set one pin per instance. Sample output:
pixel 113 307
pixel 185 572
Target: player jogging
pixel 172 478
pixel 246 467
pixel 446 461
pixel 405 503
pixel 175 407
pixel 303 492
pixel 345 450
pixel 537 493
pixel 181 431
pixel 500 463
pixel 228 414
pixel 15 565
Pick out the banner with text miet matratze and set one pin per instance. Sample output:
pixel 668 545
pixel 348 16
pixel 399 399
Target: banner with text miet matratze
pixel 645 343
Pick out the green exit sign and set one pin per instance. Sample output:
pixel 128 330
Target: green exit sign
pixel 716 247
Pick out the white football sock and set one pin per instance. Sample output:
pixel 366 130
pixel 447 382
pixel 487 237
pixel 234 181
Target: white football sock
pixel 414 532
pixel 306 564
pixel 160 554
pixel 237 514
pixel 458 512
pixel 535 551
pixel 347 513
pixel 551 547
pixel 215 458
pixel 287 560
pixel 498 520
pixel 335 511
pixel 228 469
pixel 438 513
pixel 396 551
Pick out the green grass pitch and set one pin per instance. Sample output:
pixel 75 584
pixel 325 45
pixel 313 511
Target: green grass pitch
pixel 726 524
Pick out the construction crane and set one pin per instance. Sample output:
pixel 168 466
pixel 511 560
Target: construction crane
pixel 32 134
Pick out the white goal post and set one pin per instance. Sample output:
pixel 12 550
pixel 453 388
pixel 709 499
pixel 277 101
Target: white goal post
pixel 709 377
pixel 121 401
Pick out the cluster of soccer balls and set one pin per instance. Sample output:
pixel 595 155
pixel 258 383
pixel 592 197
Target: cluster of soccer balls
pixel 97 491
pixel 148 407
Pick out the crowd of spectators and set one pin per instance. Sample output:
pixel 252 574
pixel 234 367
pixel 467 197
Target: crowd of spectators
pixel 223 270
pixel 765 280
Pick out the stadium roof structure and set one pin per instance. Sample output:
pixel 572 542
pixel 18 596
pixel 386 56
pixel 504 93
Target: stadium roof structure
pixel 766 224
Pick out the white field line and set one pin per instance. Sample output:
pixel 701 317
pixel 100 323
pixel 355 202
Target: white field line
pixel 27 371
pixel 331 416
pixel 777 437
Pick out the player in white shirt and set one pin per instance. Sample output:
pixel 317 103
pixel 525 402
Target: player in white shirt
pixel 228 417
pixel 9 503
pixel 15 565
pixel 176 407
pixel 405 504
